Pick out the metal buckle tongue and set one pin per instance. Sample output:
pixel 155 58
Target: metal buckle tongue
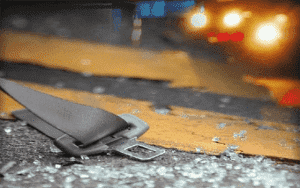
pixel 120 142
pixel 124 147
pixel 128 140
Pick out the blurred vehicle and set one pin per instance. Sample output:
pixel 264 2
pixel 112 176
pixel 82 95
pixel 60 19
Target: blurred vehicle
pixel 261 38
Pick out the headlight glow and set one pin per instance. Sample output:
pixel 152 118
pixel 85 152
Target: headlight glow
pixel 267 34
pixel 198 20
pixel 232 19
pixel 281 19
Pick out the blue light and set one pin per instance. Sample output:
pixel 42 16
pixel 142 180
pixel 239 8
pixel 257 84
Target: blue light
pixel 145 9
pixel 156 9
pixel 117 18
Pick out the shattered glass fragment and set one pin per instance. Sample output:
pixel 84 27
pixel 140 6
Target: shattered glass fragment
pixel 84 157
pixel 23 123
pixel 87 74
pixel 8 130
pixel 36 162
pixel 57 166
pixel 54 149
pixel 70 179
pixel 72 159
pixel 162 111
pixel 135 111
pixel 235 135
pixel 99 89
pixel 175 158
pixel 50 169
pixel 237 167
pixel 229 166
pixel 259 158
pixel 242 133
pixel 221 125
pixel 233 147
pixel 47 185
pixel 23 163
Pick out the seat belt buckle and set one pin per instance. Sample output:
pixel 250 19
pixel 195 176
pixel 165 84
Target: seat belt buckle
pixel 120 142
pixel 78 129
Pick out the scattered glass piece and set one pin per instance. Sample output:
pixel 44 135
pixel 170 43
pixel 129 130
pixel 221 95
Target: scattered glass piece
pixel 8 130
pixel 221 125
pixel 98 89
pixel 54 149
pixel 84 157
pixel 72 159
pixel 70 179
pixel 23 123
pixel 36 162
pixel 57 166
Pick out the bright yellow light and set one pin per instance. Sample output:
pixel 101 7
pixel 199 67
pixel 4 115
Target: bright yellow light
pixel 232 19
pixel 198 20
pixel 267 34
pixel 281 19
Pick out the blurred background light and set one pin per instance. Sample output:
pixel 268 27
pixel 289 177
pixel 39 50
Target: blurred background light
pixel 232 19
pixel 268 34
pixel 157 9
pixel 198 20
pixel 281 19
pixel 117 18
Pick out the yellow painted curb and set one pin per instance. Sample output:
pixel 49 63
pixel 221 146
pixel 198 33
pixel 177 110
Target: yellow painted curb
pixel 116 61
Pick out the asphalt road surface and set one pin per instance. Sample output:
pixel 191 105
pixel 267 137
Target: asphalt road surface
pixel 35 162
